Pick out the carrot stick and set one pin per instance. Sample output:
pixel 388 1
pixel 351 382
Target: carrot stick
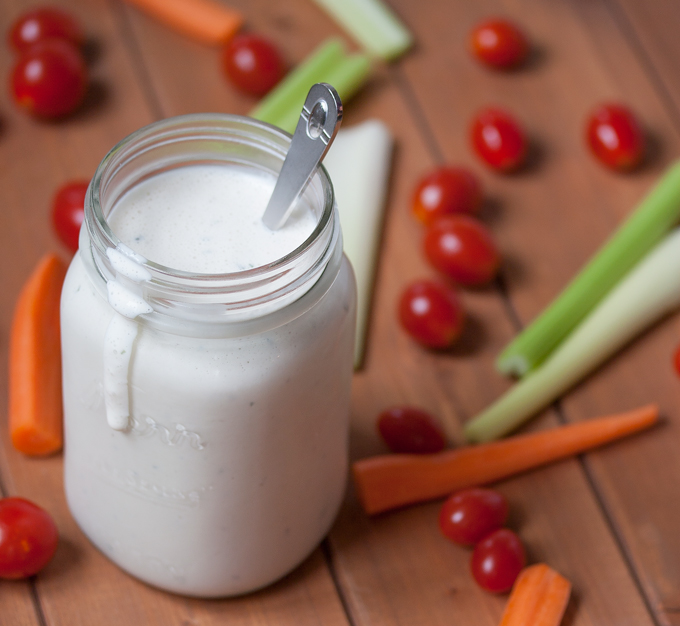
pixel 389 481
pixel 539 598
pixel 208 21
pixel 35 410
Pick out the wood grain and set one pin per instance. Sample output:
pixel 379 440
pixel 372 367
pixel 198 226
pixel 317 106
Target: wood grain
pixel 651 503
pixel 16 604
pixel 562 209
pixel 80 586
pixel 35 158
pixel 609 522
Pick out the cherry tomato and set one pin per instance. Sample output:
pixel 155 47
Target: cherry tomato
pixel 462 248
pixel 615 137
pixel 68 212
pixel 44 23
pixel 676 360
pixel 446 190
pixel 28 538
pixel 470 515
pixel 499 140
pixel 49 80
pixel 411 431
pixel 252 64
pixel 431 313
pixel 499 43
pixel 497 560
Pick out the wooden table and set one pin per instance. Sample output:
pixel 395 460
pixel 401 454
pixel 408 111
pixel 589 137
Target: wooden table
pixel 610 520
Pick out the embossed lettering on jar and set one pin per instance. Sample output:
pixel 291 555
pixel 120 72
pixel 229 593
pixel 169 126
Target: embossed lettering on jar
pixel 206 373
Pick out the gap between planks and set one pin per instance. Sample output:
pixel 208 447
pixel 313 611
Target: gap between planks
pixel 137 59
pixel 327 552
pixel 35 599
pixel 656 615
pixel 625 26
pixel 33 590
pixel 3 490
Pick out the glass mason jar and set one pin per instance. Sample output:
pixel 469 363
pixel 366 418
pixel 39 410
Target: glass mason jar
pixel 206 415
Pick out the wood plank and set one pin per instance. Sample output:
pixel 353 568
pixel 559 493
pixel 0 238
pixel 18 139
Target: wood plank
pixel 649 28
pixel 392 569
pixel 645 510
pixel 35 158
pixel 16 602
pixel 81 586
pixel 187 77
pixel 16 598
pixel 558 213
pixel 396 568
pixel 639 483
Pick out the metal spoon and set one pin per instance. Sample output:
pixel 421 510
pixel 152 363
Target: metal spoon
pixel 318 124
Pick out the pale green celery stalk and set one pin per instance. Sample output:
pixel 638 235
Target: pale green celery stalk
pixel 346 76
pixel 372 24
pixel 645 295
pixel 657 213
pixel 359 165
pixel 294 87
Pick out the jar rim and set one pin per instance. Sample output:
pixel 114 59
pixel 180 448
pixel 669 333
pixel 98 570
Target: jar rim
pixel 230 139
pixel 280 137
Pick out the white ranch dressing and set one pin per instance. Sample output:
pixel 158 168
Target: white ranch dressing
pixel 207 219
pixel 158 218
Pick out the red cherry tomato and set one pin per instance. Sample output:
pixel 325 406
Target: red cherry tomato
pixel 615 137
pixel 462 248
pixel 44 23
pixel 68 212
pixel 446 190
pixel 470 515
pixel 252 64
pixel 499 44
pixel 676 360
pixel 497 560
pixel 431 313
pixel 499 140
pixel 411 431
pixel 49 79
pixel 28 538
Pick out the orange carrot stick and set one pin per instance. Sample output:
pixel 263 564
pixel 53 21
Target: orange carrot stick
pixel 35 410
pixel 389 481
pixel 208 21
pixel 539 598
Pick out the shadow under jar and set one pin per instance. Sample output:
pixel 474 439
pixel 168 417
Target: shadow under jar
pixel 206 415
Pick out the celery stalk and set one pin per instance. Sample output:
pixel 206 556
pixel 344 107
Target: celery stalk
pixel 372 24
pixel 359 166
pixel 292 90
pixel 657 213
pixel 346 76
pixel 646 294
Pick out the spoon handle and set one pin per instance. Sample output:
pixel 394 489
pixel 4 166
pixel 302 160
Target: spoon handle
pixel 318 124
